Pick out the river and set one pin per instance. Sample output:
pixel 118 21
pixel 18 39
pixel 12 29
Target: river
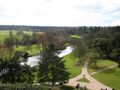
pixel 34 60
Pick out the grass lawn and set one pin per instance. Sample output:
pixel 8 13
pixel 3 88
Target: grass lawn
pixel 102 64
pixel 75 36
pixel 70 61
pixel 5 34
pixel 84 80
pixel 32 51
pixel 110 77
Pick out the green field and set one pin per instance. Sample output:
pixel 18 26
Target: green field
pixel 101 64
pixel 110 77
pixel 75 36
pixel 70 61
pixel 32 51
pixel 33 48
pixel 4 34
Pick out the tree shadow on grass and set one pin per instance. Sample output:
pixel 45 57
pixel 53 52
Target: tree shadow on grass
pixel 97 68
pixel 109 71
pixel 67 88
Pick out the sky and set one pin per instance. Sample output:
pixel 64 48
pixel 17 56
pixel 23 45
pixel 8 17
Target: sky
pixel 60 12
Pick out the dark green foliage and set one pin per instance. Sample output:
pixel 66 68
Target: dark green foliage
pixel 36 87
pixel 110 46
pixel 67 88
pixel 12 72
pixel 26 75
pixel 51 67
pixel 106 41
pixel 25 56
pixel 94 58
pixel 23 87
pixel 9 70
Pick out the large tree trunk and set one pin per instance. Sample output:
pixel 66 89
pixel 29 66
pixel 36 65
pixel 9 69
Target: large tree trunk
pixel 95 64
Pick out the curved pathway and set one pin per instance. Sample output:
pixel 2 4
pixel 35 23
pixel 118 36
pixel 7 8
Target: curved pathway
pixel 93 85
pixel 104 69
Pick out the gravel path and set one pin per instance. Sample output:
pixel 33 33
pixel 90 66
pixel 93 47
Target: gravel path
pixel 93 84
pixel 104 69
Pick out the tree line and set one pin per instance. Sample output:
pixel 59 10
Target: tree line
pixel 100 42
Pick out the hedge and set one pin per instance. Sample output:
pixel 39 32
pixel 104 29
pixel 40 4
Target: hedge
pixel 23 87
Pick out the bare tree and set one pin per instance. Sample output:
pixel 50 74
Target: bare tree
pixel 42 42
pixel 2 50
pixel 81 50
pixel 9 42
pixel 26 41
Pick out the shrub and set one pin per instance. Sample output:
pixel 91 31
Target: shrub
pixel 22 87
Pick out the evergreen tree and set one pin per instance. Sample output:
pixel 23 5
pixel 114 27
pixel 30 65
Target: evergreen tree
pixel 51 67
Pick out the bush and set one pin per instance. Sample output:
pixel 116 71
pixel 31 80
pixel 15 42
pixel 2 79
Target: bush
pixel 22 87
pixel 36 87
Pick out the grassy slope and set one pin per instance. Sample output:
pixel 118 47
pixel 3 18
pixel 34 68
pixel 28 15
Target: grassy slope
pixel 70 61
pixel 110 77
pixel 102 64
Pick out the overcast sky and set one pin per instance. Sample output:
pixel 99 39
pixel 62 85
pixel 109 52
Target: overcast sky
pixel 60 12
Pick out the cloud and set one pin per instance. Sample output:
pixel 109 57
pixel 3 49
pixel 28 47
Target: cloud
pixel 116 22
pixel 60 12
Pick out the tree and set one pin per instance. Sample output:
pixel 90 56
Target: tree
pixel 26 74
pixel 51 67
pixel 18 33
pixel 94 56
pixel 9 70
pixel 25 56
pixel 34 38
pixel 12 72
pixel 42 42
pixel 9 42
pixel 80 50
pixel 26 41
pixel 58 38
pixel 2 50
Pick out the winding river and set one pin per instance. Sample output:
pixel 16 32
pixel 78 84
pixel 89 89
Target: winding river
pixel 34 60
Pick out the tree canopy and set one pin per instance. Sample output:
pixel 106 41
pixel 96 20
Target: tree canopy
pixel 51 67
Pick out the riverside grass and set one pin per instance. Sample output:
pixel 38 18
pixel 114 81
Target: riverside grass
pixel 70 61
